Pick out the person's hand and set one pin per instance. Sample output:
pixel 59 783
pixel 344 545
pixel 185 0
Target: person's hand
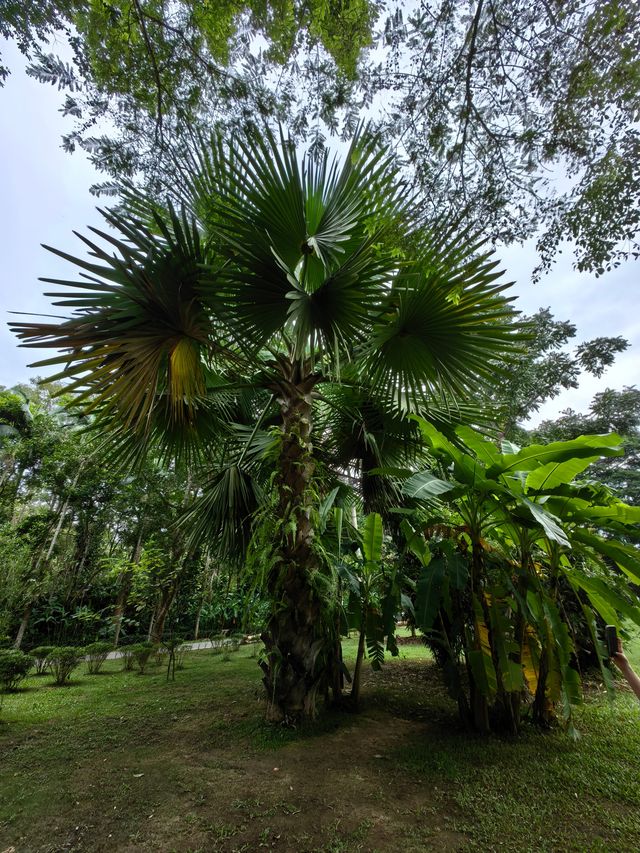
pixel 620 658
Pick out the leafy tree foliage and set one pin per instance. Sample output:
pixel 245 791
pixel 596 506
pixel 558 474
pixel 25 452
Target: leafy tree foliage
pixel 491 100
pixel 610 410
pixel 86 550
pixel 545 368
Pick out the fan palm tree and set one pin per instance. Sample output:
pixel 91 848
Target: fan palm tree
pixel 266 283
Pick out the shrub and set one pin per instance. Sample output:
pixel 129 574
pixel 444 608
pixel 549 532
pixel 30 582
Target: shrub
pixel 218 642
pixel 141 654
pixel 230 644
pixel 5 641
pixel 180 654
pixel 40 657
pixel 14 666
pixel 63 660
pixel 96 655
pixel 128 659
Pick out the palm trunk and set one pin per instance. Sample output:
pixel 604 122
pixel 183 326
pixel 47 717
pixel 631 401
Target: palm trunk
pixel 296 664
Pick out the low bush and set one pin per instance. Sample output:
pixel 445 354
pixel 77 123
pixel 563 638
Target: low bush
pixel 96 654
pixel 5 641
pixel 14 666
pixel 141 654
pixel 40 657
pixel 181 653
pixel 63 660
pixel 217 642
pixel 128 659
pixel 230 644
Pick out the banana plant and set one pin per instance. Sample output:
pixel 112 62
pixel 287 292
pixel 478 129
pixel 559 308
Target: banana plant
pixel 374 598
pixel 504 536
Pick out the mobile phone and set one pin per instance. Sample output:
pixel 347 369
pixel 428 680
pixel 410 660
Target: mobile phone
pixel 611 638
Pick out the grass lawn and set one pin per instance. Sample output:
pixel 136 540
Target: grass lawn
pixel 120 761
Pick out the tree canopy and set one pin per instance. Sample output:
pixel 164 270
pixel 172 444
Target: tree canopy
pixel 522 115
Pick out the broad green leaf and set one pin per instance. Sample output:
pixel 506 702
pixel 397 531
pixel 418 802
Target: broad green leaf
pixel 457 570
pixel 389 471
pixel 372 538
pixel 536 455
pixel 349 578
pixel 390 607
pixel 625 557
pixel 485 450
pixel 548 522
pixel 505 646
pixel 436 440
pixel 338 515
pixel 557 473
pixel 618 511
pixel 530 658
pixel 508 447
pixel 326 506
pixel 424 486
pixel 416 542
pixel 429 593
pixel 604 598
pixel 480 658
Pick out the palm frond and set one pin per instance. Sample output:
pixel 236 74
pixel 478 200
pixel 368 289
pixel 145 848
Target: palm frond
pixel 137 337
pixel 447 327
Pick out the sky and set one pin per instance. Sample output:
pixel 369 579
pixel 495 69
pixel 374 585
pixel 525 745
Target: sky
pixel 45 196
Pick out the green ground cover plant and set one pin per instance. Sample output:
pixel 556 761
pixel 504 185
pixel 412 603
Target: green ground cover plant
pixel 194 760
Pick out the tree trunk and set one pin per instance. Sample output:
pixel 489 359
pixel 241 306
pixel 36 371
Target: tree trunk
pixel 206 595
pixel 162 611
pixel 125 589
pixel 298 653
pixel 542 708
pixel 23 625
pixel 355 687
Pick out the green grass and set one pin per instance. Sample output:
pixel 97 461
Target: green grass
pixel 123 761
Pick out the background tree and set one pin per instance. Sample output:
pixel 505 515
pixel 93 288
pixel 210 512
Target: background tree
pixel 489 100
pixel 545 369
pixel 610 410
